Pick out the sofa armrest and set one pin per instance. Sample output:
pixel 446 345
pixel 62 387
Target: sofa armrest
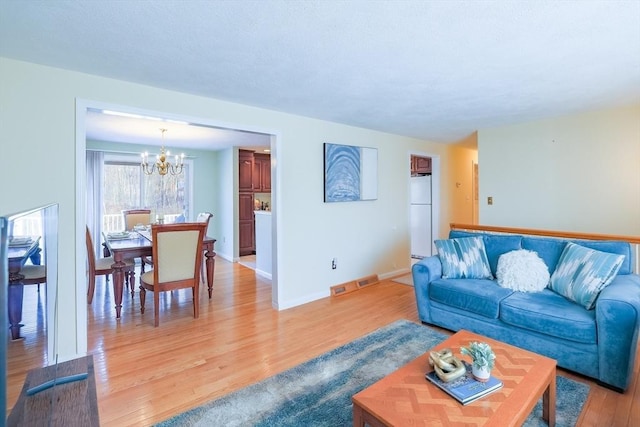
pixel 618 325
pixel 424 272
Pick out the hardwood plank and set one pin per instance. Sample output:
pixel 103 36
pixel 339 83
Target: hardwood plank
pixel 145 374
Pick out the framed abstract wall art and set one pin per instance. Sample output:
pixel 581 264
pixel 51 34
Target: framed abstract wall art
pixel 350 173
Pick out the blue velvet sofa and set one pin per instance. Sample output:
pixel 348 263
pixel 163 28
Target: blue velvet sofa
pixel 600 343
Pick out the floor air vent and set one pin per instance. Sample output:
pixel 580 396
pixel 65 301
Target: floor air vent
pixel 349 287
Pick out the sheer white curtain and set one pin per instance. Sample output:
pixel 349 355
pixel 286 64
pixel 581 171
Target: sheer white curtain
pixel 95 176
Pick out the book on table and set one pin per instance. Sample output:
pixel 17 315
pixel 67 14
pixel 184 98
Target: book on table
pixel 466 389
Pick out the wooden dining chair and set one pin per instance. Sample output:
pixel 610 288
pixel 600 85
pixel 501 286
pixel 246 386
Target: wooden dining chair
pixel 177 255
pixel 34 274
pixel 206 218
pixel 102 267
pixel 202 217
pixel 133 217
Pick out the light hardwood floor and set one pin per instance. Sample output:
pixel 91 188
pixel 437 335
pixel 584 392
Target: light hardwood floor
pixel 146 374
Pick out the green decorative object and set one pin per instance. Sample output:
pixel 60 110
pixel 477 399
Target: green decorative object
pixel 482 355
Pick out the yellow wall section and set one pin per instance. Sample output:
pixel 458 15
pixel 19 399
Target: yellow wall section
pixel 575 173
pixel 460 180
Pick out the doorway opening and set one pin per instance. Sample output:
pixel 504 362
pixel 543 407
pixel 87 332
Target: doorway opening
pixel 254 210
pixel 424 204
pixel 420 208
pixel 224 197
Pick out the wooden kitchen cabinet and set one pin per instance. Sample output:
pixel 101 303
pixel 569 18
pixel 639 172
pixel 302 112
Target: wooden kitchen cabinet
pixel 247 237
pixel 420 165
pixel 245 170
pixel 261 173
pixel 254 171
pixel 246 234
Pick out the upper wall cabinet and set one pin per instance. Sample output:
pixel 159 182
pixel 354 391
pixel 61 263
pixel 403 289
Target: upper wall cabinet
pixel 420 165
pixel 245 178
pixel 261 173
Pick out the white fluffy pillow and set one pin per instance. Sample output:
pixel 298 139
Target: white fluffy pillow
pixel 522 270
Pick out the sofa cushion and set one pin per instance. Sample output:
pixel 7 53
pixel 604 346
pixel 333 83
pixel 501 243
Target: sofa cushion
pixel 494 245
pixel 551 314
pixel 582 273
pixel 612 247
pixel 463 258
pixel 547 248
pixel 523 271
pixel 550 249
pixel 479 296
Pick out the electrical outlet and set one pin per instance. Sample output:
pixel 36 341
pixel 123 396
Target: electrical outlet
pixel 334 263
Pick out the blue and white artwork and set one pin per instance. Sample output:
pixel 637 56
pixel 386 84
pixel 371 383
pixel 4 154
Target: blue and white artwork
pixel 350 173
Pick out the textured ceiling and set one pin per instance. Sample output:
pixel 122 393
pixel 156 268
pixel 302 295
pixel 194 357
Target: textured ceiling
pixel 435 70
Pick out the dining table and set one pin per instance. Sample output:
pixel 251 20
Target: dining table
pixel 137 244
pixel 20 249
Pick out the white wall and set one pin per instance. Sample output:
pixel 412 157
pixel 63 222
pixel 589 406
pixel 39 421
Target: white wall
pixel 227 204
pixel 572 173
pixel 38 131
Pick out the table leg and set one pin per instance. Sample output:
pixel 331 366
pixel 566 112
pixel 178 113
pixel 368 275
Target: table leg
pixel 118 283
pixel 358 418
pixel 549 402
pixel 15 296
pixel 211 262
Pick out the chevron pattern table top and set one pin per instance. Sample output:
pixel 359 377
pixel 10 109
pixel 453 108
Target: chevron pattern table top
pixel 405 397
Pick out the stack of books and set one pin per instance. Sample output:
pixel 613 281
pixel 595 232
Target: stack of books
pixel 466 389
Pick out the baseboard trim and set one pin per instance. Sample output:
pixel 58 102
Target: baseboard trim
pixel 225 256
pixel 283 305
pixel 396 273
pixel 263 274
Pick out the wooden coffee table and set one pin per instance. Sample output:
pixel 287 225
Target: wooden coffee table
pixel 405 397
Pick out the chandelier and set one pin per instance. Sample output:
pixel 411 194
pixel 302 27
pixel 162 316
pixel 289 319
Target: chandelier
pixel 162 165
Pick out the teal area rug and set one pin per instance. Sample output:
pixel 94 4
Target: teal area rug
pixel 318 392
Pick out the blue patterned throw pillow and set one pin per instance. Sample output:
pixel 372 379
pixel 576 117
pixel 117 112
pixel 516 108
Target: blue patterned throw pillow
pixel 463 258
pixel 582 273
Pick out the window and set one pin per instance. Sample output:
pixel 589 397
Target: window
pixel 125 186
pixel 27 225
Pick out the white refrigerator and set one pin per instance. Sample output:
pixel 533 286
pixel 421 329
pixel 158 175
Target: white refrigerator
pixel 420 212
